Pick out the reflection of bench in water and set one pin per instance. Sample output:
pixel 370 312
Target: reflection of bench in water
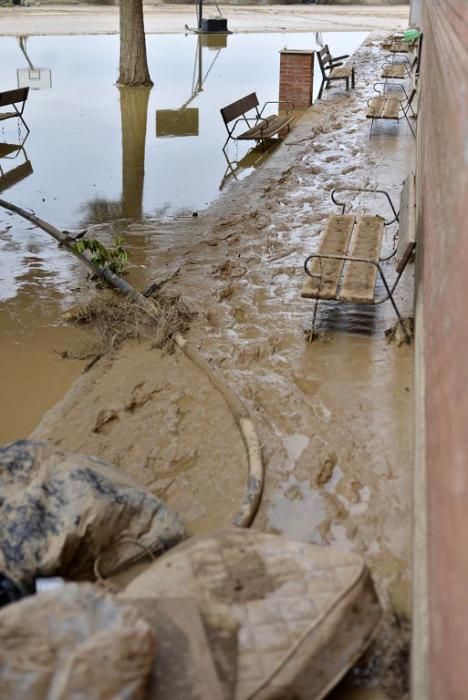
pixel 10 177
pixel 254 157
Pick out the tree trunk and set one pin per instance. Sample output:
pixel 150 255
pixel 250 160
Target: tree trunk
pixel 133 63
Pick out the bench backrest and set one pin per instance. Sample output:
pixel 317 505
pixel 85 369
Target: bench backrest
pixel 11 97
pixel 324 59
pixel 407 219
pixel 240 107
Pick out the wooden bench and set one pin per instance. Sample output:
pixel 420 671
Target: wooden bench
pixel 387 105
pixel 347 264
pixel 398 71
pixel 12 98
pixel 404 69
pixel 246 112
pixel 332 69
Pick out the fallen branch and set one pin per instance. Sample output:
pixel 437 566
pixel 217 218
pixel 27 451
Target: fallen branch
pixel 245 515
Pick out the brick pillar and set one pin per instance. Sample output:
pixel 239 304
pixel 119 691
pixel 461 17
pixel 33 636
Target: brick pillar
pixel 297 77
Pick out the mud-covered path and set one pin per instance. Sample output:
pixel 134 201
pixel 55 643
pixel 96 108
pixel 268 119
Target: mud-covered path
pixel 334 416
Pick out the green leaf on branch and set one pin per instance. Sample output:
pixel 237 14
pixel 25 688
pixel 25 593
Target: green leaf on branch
pixel 114 258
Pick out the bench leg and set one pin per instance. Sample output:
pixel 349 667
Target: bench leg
pixel 352 78
pixel 395 307
pixel 314 319
pixel 321 89
pixel 347 84
pixel 410 125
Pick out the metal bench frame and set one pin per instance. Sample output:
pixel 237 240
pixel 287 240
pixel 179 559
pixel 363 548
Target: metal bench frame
pixel 389 288
pixel 404 110
pixel 238 112
pixel 13 98
pixel 327 62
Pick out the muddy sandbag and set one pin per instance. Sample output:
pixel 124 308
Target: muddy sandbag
pixel 305 613
pixel 72 643
pixel 59 511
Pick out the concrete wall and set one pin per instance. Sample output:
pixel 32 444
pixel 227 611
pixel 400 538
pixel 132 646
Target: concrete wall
pixel 443 222
pixel 416 14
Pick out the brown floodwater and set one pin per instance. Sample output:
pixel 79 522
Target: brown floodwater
pixel 102 158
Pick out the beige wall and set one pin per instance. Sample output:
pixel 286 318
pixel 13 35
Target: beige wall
pixel 443 198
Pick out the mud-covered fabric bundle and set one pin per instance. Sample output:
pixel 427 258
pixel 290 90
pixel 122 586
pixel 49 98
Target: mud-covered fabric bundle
pixel 304 613
pixel 72 643
pixel 59 511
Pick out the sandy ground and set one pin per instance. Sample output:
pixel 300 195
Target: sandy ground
pixel 334 417
pixel 160 19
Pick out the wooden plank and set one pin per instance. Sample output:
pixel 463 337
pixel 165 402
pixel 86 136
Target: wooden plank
pixel 341 72
pixel 239 107
pixel 407 231
pixel 335 241
pixel 383 108
pixel 267 127
pixel 359 278
pixel 397 71
pixel 391 109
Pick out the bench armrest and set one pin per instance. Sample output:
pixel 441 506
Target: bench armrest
pixel 242 120
pixel 331 256
pixel 370 191
pixel 339 58
pixel 278 102
pixel 389 93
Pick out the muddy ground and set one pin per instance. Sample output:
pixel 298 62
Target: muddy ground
pixel 334 416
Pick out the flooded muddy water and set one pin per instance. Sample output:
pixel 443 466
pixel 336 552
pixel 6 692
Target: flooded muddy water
pixel 96 155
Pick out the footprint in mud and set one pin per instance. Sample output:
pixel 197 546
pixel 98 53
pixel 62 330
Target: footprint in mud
pixel 331 159
pixel 348 169
pixel 103 420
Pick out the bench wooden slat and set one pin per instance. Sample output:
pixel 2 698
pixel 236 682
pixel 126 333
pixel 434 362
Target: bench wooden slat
pixel 407 229
pixel 239 107
pixel 397 46
pixel 359 279
pixel 341 72
pixel 397 71
pixel 269 126
pixel 383 108
pixel 335 241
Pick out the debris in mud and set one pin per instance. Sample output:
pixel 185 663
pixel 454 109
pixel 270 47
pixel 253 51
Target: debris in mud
pixel 62 511
pixel 326 471
pixel 396 334
pixel 117 319
pixel 386 662
pixel 229 269
pixel 74 642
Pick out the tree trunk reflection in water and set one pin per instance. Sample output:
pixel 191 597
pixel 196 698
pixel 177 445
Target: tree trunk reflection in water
pixel 134 112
